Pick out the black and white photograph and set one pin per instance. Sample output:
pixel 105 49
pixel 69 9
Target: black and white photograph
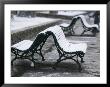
pixel 54 42
pixel 42 39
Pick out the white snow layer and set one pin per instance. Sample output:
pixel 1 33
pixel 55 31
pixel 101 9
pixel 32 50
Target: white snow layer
pixel 24 22
pixel 64 24
pixel 85 22
pixel 71 13
pixel 23 45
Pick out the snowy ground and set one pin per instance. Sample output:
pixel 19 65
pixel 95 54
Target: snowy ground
pixel 91 66
pixel 19 23
pixel 67 12
pixel 22 22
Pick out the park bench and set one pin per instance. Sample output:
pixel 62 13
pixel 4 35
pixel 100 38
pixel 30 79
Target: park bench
pixel 27 48
pixel 94 28
pixel 66 50
pixel 69 27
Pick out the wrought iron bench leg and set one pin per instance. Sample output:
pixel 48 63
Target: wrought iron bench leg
pixel 58 61
pixel 21 57
pixel 83 32
pixel 94 33
pixel 33 60
pixel 81 55
pixel 82 61
pixel 13 60
pixel 80 68
pixel 55 65
pixel 42 56
pixel 72 31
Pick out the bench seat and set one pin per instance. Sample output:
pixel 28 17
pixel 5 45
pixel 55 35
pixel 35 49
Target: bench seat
pixel 76 47
pixel 23 45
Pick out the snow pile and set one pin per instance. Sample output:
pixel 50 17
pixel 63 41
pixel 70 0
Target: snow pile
pixel 71 13
pixel 24 22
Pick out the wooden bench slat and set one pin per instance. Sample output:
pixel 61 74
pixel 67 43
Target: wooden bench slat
pixel 23 45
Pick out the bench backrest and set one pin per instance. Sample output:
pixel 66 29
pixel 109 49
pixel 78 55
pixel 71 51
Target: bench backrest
pixel 85 23
pixel 40 38
pixel 58 35
pixel 73 22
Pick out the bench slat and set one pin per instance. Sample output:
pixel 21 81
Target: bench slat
pixel 23 45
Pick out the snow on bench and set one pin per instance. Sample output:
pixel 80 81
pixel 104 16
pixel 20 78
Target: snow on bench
pixel 85 22
pixel 64 44
pixel 64 24
pixel 23 45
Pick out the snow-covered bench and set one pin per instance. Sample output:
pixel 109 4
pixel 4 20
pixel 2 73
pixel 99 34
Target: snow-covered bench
pixel 94 28
pixel 26 48
pixel 69 27
pixel 65 49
